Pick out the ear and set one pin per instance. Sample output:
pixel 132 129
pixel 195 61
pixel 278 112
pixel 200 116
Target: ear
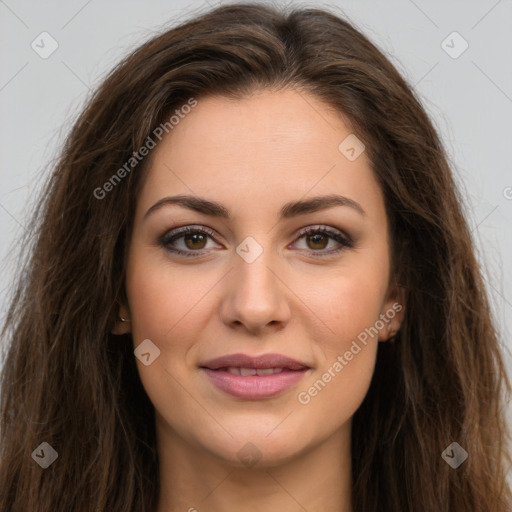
pixel 393 312
pixel 122 327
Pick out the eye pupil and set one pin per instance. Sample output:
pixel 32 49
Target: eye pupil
pixel 195 238
pixel 316 238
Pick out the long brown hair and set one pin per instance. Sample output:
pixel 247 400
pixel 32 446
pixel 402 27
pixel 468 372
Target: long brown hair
pixel 68 381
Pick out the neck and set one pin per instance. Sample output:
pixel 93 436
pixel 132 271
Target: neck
pixel 195 480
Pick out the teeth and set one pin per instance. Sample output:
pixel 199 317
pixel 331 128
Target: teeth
pixel 265 371
pixel 245 372
pixel 268 371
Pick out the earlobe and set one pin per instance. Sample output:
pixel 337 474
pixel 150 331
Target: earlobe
pixel 122 325
pixel 393 313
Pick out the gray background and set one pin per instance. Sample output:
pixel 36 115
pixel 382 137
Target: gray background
pixel 469 99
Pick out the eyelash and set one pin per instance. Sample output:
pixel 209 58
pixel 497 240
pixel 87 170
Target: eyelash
pixel 165 240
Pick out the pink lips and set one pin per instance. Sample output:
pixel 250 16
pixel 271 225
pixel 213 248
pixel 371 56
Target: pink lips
pixel 221 372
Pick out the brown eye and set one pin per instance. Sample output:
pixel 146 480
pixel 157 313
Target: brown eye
pixel 188 241
pixel 195 241
pixel 318 241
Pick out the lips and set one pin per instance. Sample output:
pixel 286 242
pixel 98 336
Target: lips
pixel 254 378
pixel 246 372
pixel 265 361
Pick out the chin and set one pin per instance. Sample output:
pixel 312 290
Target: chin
pixel 257 448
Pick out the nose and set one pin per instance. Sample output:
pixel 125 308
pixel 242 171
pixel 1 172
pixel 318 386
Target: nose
pixel 255 298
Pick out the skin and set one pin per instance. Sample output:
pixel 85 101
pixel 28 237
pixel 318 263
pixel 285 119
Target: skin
pixel 253 156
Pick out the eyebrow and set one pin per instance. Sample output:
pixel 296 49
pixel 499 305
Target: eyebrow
pixel 289 210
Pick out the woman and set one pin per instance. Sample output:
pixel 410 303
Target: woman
pixel 252 286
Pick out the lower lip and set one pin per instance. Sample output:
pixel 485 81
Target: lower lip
pixel 254 387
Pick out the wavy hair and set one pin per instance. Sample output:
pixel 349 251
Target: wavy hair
pixel 68 381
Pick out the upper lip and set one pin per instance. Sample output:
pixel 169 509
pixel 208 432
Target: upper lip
pixel 246 361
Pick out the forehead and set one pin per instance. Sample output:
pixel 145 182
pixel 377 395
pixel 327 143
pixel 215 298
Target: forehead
pixel 268 147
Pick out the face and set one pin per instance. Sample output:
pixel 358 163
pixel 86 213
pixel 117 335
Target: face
pixel 262 271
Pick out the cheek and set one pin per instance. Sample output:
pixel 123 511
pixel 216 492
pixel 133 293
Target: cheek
pixel 164 307
pixel 162 299
pixel 349 303
pixel 351 308
pixel 167 306
pixel 347 352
